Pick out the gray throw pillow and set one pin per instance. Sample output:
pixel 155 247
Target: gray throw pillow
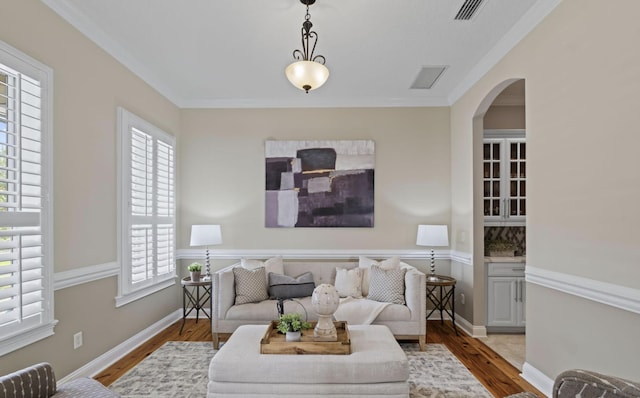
pixel 251 285
pixel 386 285
pixel 285 286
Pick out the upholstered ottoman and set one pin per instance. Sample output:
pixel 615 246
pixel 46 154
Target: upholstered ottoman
pixel 376 367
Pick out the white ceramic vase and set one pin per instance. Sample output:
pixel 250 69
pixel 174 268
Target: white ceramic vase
pixel 325 301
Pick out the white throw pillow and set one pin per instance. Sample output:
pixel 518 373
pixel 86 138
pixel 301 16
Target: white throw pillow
pixel 273 264
pixel 349 282
pixel 387 285
pixel 366 263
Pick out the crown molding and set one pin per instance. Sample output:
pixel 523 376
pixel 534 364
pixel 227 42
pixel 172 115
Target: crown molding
pixel 80 21
pixel 523 27
pixel 316 102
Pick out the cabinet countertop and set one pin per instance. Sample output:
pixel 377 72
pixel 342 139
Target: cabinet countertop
pixel 516 259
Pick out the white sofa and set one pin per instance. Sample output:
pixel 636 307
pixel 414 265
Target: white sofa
pixel 406 321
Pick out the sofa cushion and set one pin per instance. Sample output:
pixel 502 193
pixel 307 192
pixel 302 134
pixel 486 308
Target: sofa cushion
pixel 365 263
pixel 386 285
pixel 250 285
pixel 349 282
pixel 285 286
pixel 273 264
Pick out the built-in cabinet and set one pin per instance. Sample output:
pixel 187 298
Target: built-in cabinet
pixel 504 177
pixel 506 297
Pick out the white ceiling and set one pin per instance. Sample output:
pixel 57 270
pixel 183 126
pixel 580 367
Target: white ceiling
pixel 232 53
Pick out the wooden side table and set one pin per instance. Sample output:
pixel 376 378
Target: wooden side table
pixel 195 297
pixel 441 293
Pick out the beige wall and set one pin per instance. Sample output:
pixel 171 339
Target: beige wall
pixel 505 117
pixel 223 178
pixel 88 85
pixel 583 186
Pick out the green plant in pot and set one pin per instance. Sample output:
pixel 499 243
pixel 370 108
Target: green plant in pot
pixel 501 248
pixel 291 325
pixel 195 269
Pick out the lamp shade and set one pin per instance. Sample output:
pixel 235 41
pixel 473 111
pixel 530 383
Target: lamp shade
pixel 432 235
pixel 307 75
pixel 203 235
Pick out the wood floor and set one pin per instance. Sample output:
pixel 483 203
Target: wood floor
pixel 497 375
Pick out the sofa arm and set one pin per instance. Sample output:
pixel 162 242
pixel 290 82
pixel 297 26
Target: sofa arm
pixel 37 381
pixel 224 294
pixel 416 294
pixel 588 384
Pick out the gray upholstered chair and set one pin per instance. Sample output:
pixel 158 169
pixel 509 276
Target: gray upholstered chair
pixel 39 381
pixel 587 384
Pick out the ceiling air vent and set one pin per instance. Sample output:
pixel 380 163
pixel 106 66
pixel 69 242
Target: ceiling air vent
pixel 427 76
pixel 468 10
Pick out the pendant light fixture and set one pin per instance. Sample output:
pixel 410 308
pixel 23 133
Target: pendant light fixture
pixel 308 71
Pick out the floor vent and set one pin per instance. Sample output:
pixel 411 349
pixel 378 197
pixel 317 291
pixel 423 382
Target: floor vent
pixel 427 77
pixel 468 9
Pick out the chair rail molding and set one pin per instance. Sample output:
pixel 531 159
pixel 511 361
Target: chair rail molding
pixel 78 276
pixel 328 254
pixel 621 297
pixel 462 257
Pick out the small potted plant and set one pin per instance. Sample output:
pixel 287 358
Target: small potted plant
pixel 291 325
pixel 194 270
pixel 501 248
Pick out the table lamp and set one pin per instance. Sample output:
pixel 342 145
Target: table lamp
pixel 432 235
pixel 206 235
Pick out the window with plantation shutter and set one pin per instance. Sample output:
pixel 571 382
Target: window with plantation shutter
pixel 146 208
pixel 26 245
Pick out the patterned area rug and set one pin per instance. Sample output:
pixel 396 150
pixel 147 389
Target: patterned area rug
pixel 180 369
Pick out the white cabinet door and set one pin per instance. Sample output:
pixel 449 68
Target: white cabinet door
pixel 522 313
pixel 506 295
pixel 503 307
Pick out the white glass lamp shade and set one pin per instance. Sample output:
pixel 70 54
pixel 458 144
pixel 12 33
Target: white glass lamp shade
pixel 432 235
pixel 325 299
pixel 204 235
pixel 307 75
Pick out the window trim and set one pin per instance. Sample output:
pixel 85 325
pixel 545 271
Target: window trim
pixel 24 63
pixel 126 292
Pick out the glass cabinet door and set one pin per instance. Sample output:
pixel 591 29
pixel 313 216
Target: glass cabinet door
pixel 492 177
pixel 516 205
pixel 504 179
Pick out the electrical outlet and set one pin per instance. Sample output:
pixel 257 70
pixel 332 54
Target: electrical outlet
pixel 462 298
pixel 77 340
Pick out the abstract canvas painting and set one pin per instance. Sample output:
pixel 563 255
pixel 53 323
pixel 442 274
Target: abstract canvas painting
pixel 319 183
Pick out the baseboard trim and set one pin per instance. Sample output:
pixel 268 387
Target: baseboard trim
pixel 621 297
pixel 536 378
pixel 78 276
pixel 108 358
pixel 471 329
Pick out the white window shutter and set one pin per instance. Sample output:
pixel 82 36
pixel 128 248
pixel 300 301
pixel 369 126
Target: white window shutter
pixel 147 207
pixel 25 285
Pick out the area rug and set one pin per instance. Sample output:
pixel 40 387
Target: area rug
pixel 180 369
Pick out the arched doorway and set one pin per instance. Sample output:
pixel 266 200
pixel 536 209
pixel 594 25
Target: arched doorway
pixel 499 153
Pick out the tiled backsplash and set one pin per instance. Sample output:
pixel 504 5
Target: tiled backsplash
pixel 516 235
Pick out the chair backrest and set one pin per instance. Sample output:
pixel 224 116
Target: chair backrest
pixel 37 381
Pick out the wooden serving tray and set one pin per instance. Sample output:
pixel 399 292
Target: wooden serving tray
pixel 274 342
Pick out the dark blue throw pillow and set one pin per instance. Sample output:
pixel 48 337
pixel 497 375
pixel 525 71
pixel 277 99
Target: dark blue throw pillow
pixel 285 286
